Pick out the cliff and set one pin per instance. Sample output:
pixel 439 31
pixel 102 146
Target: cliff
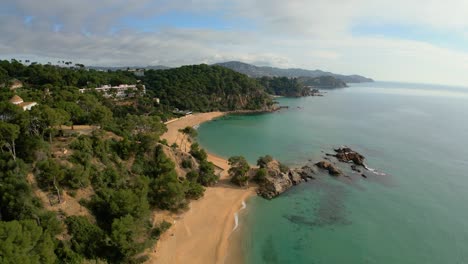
pixel 206 88
pixel 322 82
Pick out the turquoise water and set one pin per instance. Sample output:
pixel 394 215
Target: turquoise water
pixel 416 213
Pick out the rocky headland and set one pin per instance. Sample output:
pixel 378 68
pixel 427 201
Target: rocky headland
pixel 278 179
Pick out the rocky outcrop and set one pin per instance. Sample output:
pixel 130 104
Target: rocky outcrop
pixel 179 157
pixel 276 181
pixel 345 154
pixel 295 177
pixel 332 169
pixel 315 92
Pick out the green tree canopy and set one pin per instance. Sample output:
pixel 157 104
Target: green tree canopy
pixel 8 135
pixel 25 242
pixel 238 170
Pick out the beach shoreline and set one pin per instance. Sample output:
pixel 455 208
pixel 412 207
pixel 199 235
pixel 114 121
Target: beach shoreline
pixel 203 233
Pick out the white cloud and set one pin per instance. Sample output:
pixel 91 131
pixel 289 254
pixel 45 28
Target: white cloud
pixel 309 34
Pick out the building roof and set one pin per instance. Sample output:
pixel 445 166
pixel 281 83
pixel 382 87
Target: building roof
pixel 24 104
pixel 16 84
pixel 16 99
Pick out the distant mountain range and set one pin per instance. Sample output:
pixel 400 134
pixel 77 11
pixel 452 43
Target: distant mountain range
pixel 256 72
pixel 103 68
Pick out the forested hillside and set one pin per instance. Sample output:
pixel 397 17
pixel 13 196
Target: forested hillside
pixel 37 75
pixel 322 82
pixel 80 174
pixel 207 88
pixel 284 86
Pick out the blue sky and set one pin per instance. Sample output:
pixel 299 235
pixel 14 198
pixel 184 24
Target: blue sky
pixel 419 41
pixel 183 19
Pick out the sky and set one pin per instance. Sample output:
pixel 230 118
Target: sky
pixel 398 40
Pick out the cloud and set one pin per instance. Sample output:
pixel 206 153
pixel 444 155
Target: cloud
pixel 309 34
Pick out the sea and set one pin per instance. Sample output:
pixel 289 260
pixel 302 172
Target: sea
pixel 412 206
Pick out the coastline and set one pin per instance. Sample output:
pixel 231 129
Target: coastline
pixel 203 233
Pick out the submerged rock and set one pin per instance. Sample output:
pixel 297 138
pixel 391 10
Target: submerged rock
pixel 332 169
pixel 307 172
pixel 355 168
pixel 295 177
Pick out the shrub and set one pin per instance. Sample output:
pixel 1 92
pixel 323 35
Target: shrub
pixel 158 231
pixel 87 239
pixel 283 168
pixel 207 176
pixel 197 152
pixel 195 191
pixel 164 142
pixel 260 176
pixel 263 161
pixel 187 164
pixel 238 170
pixel 192 132
pixel 192 176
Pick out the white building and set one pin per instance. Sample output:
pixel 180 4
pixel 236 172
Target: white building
pixel 16 100
pixel 120 91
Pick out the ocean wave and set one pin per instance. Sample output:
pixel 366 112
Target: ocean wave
pixel 374 171
pixel 236 216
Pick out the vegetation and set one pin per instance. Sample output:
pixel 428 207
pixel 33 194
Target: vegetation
pixel 263 161
pixel 238 171
pixel 324 82
pixel 192 132
pixel 25 242
pixel 301 86
pixel 118 158
pixel 206 88
pixel 38 75
pixel 206 174
pixel 284 86
pixel 260 175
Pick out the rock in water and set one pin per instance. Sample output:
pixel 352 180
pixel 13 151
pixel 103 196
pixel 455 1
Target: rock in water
pixel 307 172
pixel 295 177
pixel 355 168
pixel 332 169
pixel 346 154
pixel 276 182
pixel 274 186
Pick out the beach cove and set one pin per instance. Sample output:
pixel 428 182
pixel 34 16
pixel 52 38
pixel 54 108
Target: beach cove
pixel 379 219
pixel 203 233
pixel 415 213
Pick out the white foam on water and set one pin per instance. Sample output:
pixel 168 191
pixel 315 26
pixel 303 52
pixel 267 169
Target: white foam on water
pixel 236 221
pixel 236 216
pixel 374 171
pixel 243 205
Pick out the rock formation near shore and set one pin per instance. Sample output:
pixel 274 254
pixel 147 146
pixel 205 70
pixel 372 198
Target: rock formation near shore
pixel 278 181
pixel 345 154
pixel 332 169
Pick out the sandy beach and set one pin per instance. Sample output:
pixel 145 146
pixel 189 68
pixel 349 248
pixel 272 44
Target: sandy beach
pixel 202 234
